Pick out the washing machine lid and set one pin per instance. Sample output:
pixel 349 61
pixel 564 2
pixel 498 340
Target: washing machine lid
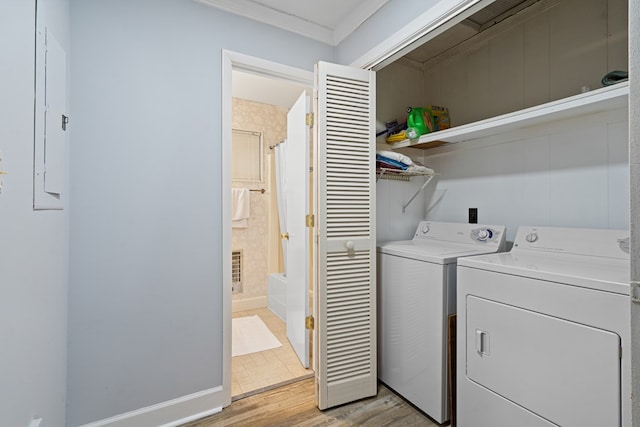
pixel 445 242
pixel 433 251
pixel 594 259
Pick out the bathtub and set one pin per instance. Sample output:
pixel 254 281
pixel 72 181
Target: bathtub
pixel 277 294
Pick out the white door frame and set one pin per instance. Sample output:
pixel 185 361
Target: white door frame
pixel 230 61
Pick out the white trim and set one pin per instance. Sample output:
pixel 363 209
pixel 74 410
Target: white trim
pixel 230 61
pixel 258 12
pixel 261 13
pixel 432 22
pixel 248 304
pixel 225 193
pixel 171 413
pixel 355 18
pixel 265 68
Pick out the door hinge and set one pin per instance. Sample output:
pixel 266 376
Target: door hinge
pixel 309 119
pixel 310 221
pixel 309 322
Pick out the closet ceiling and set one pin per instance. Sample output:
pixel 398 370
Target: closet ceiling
pixel 473 25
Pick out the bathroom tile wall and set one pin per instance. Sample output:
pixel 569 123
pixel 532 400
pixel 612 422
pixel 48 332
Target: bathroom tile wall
pixel 255 240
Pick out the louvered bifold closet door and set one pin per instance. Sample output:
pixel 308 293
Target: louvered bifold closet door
pixel 346 300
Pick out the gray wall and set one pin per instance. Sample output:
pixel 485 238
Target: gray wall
pixel 145 315
pixel 33 245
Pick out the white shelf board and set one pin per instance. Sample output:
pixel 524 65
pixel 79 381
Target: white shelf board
pixel 604 99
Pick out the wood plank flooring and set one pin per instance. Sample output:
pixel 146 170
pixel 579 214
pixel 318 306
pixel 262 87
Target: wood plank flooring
pixel 294 405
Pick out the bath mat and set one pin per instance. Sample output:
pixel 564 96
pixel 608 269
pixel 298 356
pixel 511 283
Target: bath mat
pixel 251 335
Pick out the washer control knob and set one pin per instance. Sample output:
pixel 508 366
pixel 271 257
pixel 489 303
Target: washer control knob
pixel 425 229
pixel 531 237
pixel 483 235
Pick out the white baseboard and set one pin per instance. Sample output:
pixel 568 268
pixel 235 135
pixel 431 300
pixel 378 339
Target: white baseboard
pixel 172 413
pixel 248 304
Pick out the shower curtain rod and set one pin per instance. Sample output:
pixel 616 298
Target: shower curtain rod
pixel 271 147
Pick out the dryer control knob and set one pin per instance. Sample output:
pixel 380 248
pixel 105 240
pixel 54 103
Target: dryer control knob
pixel 483 235
pixel 531 237
pixel 425 229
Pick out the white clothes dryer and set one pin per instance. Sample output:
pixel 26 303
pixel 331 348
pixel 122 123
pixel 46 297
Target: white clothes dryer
pixel 416 293
pixel 543 331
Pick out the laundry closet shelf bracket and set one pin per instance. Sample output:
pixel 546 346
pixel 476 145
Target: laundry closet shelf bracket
pixel 424 185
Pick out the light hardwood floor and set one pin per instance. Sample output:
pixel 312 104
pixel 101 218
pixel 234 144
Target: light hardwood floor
pixel 294 405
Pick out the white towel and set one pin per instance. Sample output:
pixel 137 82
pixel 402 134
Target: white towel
pixel 240 198
pixel 398 157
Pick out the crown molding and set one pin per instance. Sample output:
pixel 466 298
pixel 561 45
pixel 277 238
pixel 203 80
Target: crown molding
pixel 355 18
pixel 267 15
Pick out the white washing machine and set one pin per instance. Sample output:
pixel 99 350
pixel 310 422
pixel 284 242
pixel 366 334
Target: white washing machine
pixel 543 331
pixel 416 293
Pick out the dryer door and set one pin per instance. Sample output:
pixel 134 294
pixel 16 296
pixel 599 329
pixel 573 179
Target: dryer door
pixel 565 372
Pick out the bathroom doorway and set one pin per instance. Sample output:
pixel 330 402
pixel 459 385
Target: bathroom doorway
pixel 259 121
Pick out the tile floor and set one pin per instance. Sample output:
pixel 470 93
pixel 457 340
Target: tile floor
pixel 255 372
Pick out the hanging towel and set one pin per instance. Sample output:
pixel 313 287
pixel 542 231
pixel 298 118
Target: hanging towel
pixel 240 207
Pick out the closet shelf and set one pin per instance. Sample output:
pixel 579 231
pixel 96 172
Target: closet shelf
pixel 397 175
pixel 599 100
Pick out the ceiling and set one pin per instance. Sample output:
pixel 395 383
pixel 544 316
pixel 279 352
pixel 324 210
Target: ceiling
pixel 328 21
pixel 266 90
